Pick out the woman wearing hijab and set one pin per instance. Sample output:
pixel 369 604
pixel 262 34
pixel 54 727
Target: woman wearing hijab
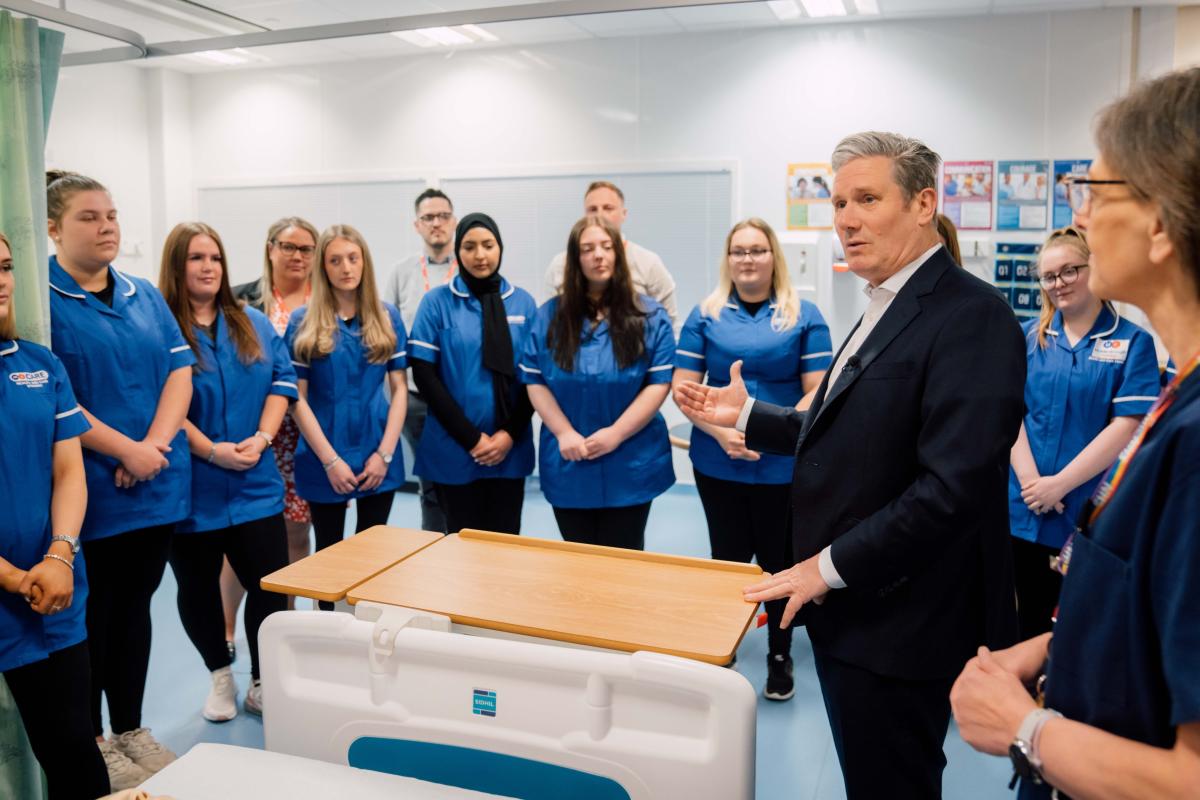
pixel 477 447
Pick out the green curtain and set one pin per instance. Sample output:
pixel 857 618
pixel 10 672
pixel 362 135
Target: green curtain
pixel 29 60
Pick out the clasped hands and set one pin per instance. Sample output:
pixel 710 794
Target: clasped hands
pixel 344 481
pixel 490 450
pixel 574 446
pixel 990 699
pixel 1043 494
pixel 47 586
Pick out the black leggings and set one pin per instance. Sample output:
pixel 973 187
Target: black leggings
pixel 750 521
pixel 52 696
pixel 623 526
pixel 254 549
pixel 1038 586
pixel 123 572
pixel 329 521
pixel 488 504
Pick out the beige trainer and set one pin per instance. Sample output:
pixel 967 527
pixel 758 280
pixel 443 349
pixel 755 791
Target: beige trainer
pixel 122 772
pixel 143 750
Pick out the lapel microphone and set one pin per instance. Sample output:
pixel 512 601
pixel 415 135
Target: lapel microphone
pixel 852 363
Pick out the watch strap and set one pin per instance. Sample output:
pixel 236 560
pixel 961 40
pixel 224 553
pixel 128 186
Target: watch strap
pixel 73 541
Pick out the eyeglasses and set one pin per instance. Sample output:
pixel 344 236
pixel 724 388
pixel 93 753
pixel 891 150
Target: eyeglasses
pixel 443 217
pixel 1068 274
pixel 1079 192
pixel 291 249
pixel 757 254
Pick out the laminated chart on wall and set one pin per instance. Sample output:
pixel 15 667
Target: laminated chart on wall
pixel 808 189
pixel 1062 171
pixel 1016 277
pixel 1022 191
pixel 967 194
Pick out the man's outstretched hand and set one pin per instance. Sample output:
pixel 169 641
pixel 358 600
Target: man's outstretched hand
pixel 717 406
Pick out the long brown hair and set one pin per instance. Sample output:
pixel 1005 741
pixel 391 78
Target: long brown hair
pixel 626 317
pixel 315 338
pixel 8 325
pixel 172 282
pixel 1073 239
pixel 266 284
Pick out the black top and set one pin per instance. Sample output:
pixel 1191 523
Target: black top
pixel 105 295
pixel 443 405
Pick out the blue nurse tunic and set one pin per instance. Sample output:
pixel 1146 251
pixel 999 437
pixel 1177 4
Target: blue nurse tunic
pixel 39 409
pixel 347 395
pixel 227 403
pixel 774 363
pixel 448 332
pixel 593 395
pixel 1071 394
pixel 118 360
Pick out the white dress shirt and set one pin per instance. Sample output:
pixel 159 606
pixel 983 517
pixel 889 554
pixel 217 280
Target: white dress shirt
pixel 881 299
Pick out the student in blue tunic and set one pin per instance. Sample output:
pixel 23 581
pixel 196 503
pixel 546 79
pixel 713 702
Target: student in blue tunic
pixel 131 370
pixel 1091 377
pixel 1121 686
pixel 477 446
pixel 242 384
pixel 753 316
pixel 43 639
pixel 346 345
pixel 598 366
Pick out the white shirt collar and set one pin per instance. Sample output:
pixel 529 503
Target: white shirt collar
pixel 894 284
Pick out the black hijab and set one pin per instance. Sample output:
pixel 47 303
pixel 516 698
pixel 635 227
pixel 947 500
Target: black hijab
pixel 497 339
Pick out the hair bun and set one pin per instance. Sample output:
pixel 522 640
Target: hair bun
pixel 53 175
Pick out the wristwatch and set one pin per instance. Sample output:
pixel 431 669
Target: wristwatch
pixel 1023 752
pixel 387 457
pixel 73 541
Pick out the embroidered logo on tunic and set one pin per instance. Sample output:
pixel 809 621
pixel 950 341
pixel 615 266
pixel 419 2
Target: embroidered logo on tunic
pixel 32 380
pixel 1113 350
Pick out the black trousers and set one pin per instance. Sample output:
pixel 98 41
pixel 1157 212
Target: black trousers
pixel 752 521
pixel 1038 586
pixel 488 504
pixel 329 521
pixel 123 573
pixel 433 517
pixel 622 526
pixel 254 549
pixel 52 696
pixel 888 732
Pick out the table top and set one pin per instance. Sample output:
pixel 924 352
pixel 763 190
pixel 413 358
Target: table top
pixel 600 596
pixel 328 574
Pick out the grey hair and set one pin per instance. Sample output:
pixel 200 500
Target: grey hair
pixel 914 165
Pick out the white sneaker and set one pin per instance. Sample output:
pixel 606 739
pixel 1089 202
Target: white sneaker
pixel 122 772
pixel 253 702
pixel 221 705
pixel 144 751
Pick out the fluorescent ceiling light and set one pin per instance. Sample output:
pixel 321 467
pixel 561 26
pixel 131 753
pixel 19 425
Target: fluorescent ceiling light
pixel 784 9
pixel 415 37
pixel 867 7
pixel 447 36
pixel 218 57
pixel 824 8
pixel 479 33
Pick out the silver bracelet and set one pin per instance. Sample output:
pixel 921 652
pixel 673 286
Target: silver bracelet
pixel 212 453
pixel 59 558
pixel 263 435
pixel 331 463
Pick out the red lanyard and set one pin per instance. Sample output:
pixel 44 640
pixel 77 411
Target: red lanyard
pixel 1108 487
pixel 425 271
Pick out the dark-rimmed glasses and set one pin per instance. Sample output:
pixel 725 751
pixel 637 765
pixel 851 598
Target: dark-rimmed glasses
pixel 1068 275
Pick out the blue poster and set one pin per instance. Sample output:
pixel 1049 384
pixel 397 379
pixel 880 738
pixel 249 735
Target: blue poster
pixel 1015 270
pixel 1021 195
pixel 1062 171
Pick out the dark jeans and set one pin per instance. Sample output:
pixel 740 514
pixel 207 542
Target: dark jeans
pixel 123 572
pixel 433 517
pixel 622 526
pixel 52 696
pixel 329 521
pixel 1038 586
pixel 752 521
pixel 254 549
pixel 888 732
pixel 488 504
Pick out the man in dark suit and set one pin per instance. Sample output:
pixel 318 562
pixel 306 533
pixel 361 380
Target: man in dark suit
pixel 899 491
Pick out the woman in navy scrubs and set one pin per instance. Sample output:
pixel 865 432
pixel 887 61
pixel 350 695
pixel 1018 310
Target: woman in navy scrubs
pixel 1122 672
pixel 241 387
pixel 1091 377
pixel 753 316
pixel 345 345
pixel 598 366
pixel 43 639
pixel 477 447
pixel 131 370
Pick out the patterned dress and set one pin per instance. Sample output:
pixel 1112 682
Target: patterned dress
pixel 295 508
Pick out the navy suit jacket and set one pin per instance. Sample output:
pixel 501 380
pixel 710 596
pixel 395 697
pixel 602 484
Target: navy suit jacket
pixel 902 466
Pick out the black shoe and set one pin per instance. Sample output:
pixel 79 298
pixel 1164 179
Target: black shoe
pixel 232 648
pixel 780 685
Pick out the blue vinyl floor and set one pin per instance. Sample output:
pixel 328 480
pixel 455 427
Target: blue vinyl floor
pixel 796 759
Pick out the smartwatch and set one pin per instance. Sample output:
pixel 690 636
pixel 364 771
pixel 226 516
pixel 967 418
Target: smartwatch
pixel 387 457
pixel 73 541
pixel 1023 753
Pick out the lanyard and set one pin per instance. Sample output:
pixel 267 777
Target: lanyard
pixel 1108 487
pixel 425 271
